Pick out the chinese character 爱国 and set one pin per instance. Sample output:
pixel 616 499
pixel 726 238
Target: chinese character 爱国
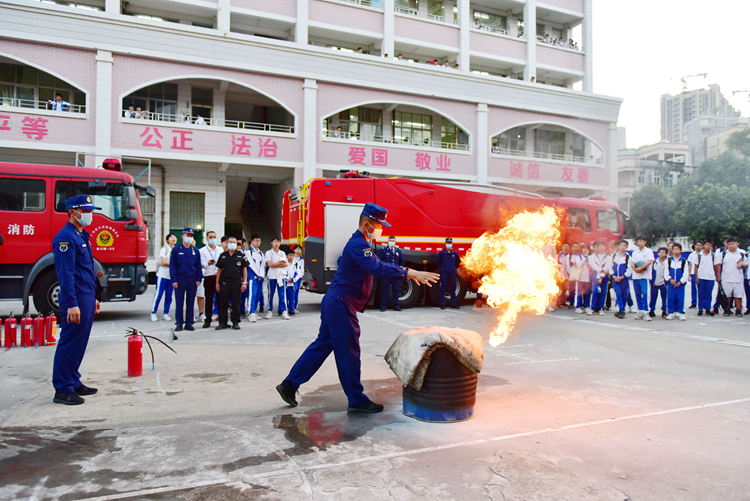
pixel 423 161
pixel 149 137
pixel 516 169
pixel 241 145
pixel 183 139
pixel 380 157
pixel 28 229
pixel 357 155
pixel 34 127
pixel 267 148
pixel 14 229
pixel 567 174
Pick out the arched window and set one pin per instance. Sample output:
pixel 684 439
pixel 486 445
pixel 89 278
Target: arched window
pixel 547 141
pixel 25 86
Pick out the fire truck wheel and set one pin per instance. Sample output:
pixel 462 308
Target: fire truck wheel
pixel 433 293
pixel 46 294
pixel 409 293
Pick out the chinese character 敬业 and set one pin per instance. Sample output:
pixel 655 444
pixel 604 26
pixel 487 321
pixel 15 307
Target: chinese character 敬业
pixel 357 155
pixel 28 229
pixel 149 137
pixel 182 140
pixel 567 174
pixel 533 170
pixel 241 145
pixel 516 169
pixel 380 157
pixel 583 175
pixel 443 162
pixel 267 148
pixel 4 122
pixel 34 127
pixel 423 161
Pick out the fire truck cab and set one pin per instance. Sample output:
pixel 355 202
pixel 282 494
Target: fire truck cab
pixel 322 215
pixel 32 211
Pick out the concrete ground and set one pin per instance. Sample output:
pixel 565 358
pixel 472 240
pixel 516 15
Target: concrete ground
pixel 572 407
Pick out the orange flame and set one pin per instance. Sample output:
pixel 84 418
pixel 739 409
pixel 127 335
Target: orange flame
pixel 518 267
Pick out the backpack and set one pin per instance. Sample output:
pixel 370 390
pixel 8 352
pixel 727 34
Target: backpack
pixel 627 260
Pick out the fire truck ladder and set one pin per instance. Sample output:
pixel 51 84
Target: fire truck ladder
pixel 302 200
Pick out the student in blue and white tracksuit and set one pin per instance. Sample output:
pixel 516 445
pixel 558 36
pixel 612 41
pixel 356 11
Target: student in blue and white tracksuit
pixel 163 282
pixel 658 284
pixel 290 282
pixel 676 274
pixel 621 272
pixel 276 261
pixel 255 275
pixel 641 276
pixel 705 277
pixel 299 261
pixel 600 263
pixel 58 104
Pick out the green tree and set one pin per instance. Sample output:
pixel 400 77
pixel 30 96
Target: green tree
pixel 739 142
pixel 652 213
pixel 712 211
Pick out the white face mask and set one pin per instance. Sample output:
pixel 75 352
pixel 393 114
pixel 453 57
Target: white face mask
pixel 231 246
pixel 187 240
pixel 86 219
pixel 376 233
pixel 391 244
pixel 448 246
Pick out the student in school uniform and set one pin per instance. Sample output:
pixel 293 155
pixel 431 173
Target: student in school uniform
pixel 563 259
pixel 705 278
pixel 621 272
pixel 600 263
pixel 747 280
pixel 693 261
pixel 290 281
pixel 300 263
pixel 281 285
pixel 658 284
pixel 575 253
pixel 255 275
pixel 641 262
pixel 582 272
pixel 163 282
pixel 730 271
pixel 676 274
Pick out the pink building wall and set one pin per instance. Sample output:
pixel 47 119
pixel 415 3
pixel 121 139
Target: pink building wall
pixel 343 15
pixel 497 45
pixel 281 7
pixel 574 5
pixel 560 58
pixel 414 29
pixel 38 130
pixel 520 170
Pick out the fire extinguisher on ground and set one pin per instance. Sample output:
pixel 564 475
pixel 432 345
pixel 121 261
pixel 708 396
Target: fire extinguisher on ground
pixel 51 329
pixel 39 326
pixel 135 351
pixel 11 331
pixel 26 324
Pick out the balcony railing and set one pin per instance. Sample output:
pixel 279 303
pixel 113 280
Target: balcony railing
pixel 378 4
pixel 376 138
pixel 431 17
pixel 212 122
pixel 40 105
pixel 547 156
pixel 493 29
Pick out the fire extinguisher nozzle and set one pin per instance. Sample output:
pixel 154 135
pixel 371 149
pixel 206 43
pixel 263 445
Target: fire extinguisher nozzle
pixel 153 367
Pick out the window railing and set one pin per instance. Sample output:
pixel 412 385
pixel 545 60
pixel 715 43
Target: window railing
pixel 41 105
pixel 493 29
pixel 548 156
pixel 432 17
pixel 212 122
pixel 378 4
pixel 376 138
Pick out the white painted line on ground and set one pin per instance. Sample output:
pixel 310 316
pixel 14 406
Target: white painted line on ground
pixel 158 384
pixel 392 455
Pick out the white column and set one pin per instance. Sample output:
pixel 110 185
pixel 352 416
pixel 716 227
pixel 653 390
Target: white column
pixel 530 139
pixel 464 40
pixel 112 6
pixel 512 24
pixel 310 129
pixel 219 108
pixel 301 28
pixel 482 143
pixel 223 17
pixel 103 141
pixel 184 97
pixel 611 160
pixel 387 122
pixel 449 4
pixel 588 43
pixel 389 45
pixel 529 28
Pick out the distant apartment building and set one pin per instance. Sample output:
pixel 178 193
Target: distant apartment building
pixel 677 110
pixel 716 143
pixel 709 124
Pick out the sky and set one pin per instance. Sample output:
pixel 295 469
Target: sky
pixel 643 47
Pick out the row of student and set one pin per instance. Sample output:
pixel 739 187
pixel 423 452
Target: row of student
pixel 198 271
pixel 589 277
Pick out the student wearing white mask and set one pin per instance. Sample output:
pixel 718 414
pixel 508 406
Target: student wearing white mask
pixel 209 256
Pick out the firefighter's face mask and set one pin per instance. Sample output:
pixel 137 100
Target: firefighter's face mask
pixel 375 233
pixel 86 218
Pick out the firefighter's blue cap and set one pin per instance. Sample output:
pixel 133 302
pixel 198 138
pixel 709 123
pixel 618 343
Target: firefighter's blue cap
pixel 80 202
pixel 376 212
pixel 188 231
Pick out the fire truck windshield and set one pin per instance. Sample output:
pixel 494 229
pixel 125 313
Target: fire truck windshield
pixel 607 219
pixel 112 197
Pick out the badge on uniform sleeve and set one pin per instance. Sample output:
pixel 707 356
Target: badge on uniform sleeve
pixel 368 252
pixel 63 246
pixel 239 263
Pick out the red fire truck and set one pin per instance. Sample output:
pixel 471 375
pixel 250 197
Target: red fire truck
pixel 32 211
pixel 322 215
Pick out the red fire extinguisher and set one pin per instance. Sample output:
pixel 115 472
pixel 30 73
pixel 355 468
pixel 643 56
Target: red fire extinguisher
pixel 135 351
pixel 11 331
pixel 39 326
pixel 26 324
pixel 51 329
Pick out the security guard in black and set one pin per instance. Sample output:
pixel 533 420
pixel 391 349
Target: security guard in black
pixel 231 282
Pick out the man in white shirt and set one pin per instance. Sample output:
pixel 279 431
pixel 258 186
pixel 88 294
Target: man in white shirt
pixel 658 285
pixel 705 277
pixel 641 261
pixel 730 272
pixel 200 121
pixel 255 274
pixel 693 261
pixel 275 259
pixel 163 282
pixel 130 112
pixel 209 255
pixel 58 104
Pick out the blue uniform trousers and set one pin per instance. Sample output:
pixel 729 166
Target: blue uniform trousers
pixel 339 332
pixel 693 291
pixel 449 281
pixel 257 295
pixel 163 287
pixel 72 345
pixel 705 292
pixel 297 286
pixel 622 291
pixel 185 292
pixel 640 288
pixel 675 299
pixel 656 291
pixel 599 294
pixel 289 297
pixel 747 294
pixel 387 287
pixel 273 286
pixel 583 298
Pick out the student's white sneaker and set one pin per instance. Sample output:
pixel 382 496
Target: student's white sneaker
pixel 646 317
pixel 269 315
pixel 682 316
pixel 638 316
pixel 154 318
pixel 285 315
pixel 670 316
pixel 166 318
pixel 253 318
pixel 602 312
pixel 202 317
pixel 589 311
pixel 633 309
pixel 578 310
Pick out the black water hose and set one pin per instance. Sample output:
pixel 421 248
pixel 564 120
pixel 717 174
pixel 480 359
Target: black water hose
pixel 136 332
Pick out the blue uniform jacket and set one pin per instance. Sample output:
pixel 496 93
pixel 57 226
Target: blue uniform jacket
pixel 357 265
pixel 391 256
pixel 448 261
pixel 185 265
pixel 74 264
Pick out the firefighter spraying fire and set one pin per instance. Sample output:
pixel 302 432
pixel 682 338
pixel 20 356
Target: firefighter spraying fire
pixel 517 274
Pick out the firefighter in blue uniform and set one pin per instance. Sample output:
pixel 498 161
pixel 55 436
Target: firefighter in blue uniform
pixel 339 326
pixel 391 255
pixel 448 262
pixel 74 265
pixel 186 273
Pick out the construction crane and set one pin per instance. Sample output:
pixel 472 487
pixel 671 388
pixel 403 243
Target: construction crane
pixel 742 92
pixel 684 79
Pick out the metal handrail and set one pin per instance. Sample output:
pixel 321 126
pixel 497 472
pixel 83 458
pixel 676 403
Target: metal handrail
pixel 378 4
pixel 40 105
pixel 548 156
pixel 432 17
pixel 212 122
pixel 493 29
pixel 377 138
